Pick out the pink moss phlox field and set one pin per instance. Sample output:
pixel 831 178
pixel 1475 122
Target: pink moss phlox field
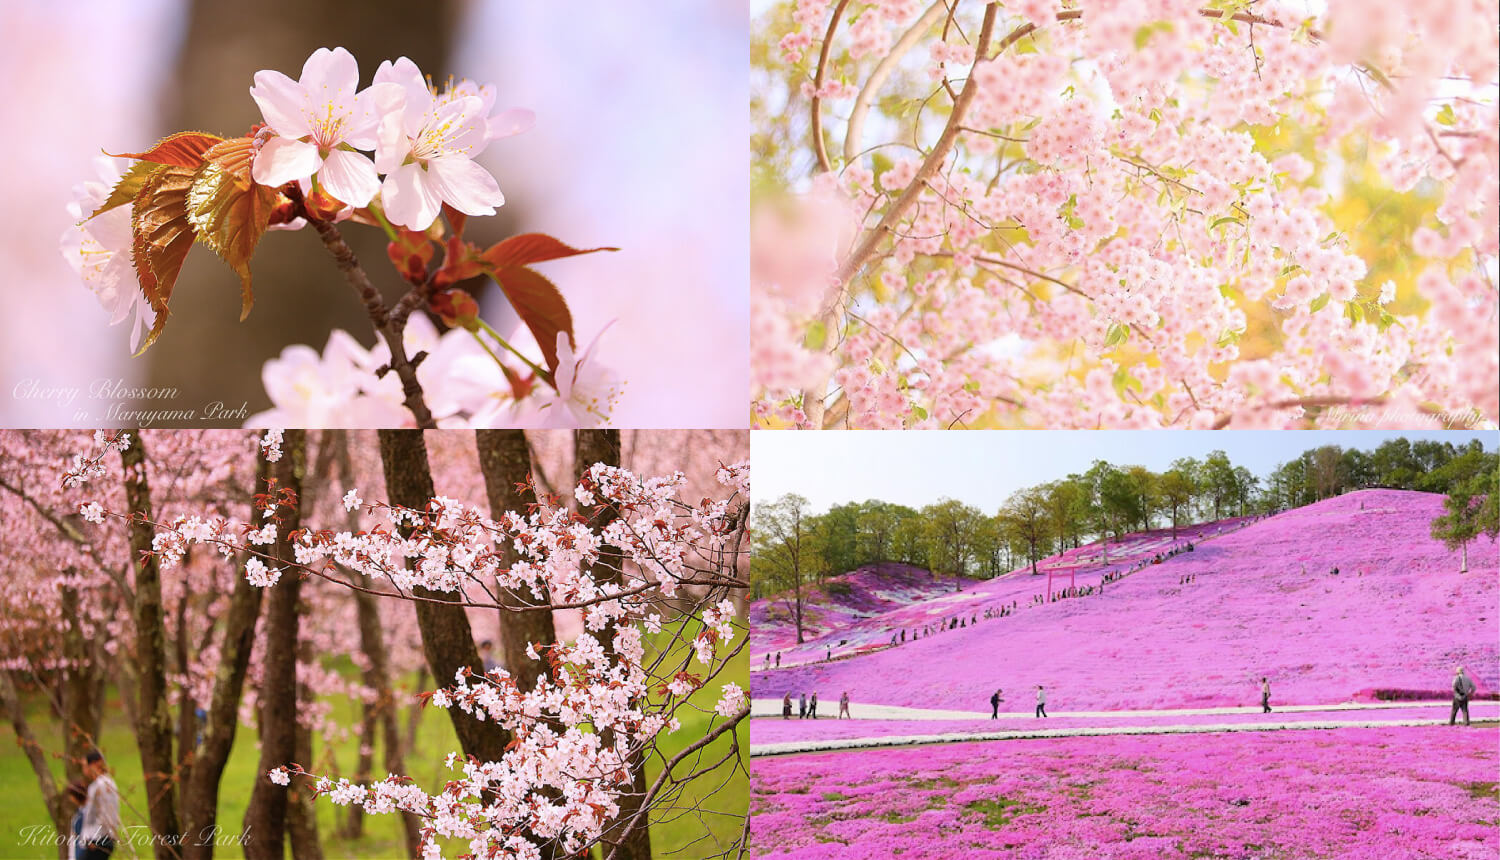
pixel 868 592
pixel 892 597
pixel 1425 792
pixel 1264 602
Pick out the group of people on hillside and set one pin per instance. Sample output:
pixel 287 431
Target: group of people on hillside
pixel 807 706
pixel 96 824
pixel 1187 579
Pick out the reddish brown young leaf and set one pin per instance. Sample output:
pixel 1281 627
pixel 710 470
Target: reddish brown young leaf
pixel 528 248
pixel 410 253
pixel 184 149
pixel 540 306
pixel 461 262
pixel 229 211
pixel 128 187
pixel 456 219
pixel 162 238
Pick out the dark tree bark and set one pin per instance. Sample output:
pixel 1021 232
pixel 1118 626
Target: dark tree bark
pixel 603 446
pixel 154 717
pixel 505 461
pixel 265 818
pixel 201 801
pixel 447 639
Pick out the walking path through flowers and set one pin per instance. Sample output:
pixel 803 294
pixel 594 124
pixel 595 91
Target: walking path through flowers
pixel 891 726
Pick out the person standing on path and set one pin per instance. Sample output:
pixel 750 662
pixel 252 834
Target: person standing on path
pixel 801 706
pixel 1041 701
pixel 1463 688
pixel 812 706
pixel 844 706
pixel 101 816
pixel 786 706
pixel 1265 696
pixel 995 701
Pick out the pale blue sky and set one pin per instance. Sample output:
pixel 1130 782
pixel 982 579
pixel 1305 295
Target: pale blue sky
pixel 983 468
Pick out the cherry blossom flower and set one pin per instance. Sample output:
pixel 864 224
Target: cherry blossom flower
pixel 319 121
pixel 586 391
pixel 98 249
pixel 426 147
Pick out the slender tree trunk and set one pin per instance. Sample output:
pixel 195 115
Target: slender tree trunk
pixel 505 461
pixel 83 687
pixel 187 717
pixel 447 639
pixel 154 717
pixel 56 801
pixel 265 818
pixel 603 446
pixel 379 714
pixel 201 802
pixel 302 813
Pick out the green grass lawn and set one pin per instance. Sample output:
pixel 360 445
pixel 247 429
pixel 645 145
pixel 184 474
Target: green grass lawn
pixel 677 836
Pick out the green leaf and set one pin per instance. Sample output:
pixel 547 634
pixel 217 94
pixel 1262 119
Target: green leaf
pixel 1319 303
pixel 1123 380
pixel 1228 337
pixel 1227 219
pixel 1118 333
pixel 1445 115
pixel 919 412
pixel 817 335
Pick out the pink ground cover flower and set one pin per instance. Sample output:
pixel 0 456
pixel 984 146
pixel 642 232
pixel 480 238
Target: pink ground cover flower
pixel 1390 792
pixel 1398 616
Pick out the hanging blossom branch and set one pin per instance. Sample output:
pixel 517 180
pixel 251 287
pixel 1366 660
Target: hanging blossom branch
pixel 560 781
pixel 1163 165
pixel 305 165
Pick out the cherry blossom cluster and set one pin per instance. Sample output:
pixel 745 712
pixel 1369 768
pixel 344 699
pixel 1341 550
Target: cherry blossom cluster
pixel 424 142
pixel 599 706
pixel 86 467
pixel 1135 215
pixel 467 384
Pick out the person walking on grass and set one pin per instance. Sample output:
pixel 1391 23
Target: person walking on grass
pixel 786 706
pixel 1463 688
pixel 1041 702
pixel 1265 696
pixel 812 706
pixel 844 706
pixel 995 701
pixel 101 817
pixel 801 706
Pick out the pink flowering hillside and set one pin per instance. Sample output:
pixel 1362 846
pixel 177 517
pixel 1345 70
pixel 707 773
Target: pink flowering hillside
pixel 1261 601
pixel 924 605
pixel 867 592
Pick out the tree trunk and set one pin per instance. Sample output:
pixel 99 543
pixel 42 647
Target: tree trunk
pixel 83 688
pixel 201 802
pixel 447 639
pixel 55 800
pixel 265 818
pixel 505 461
pixel 381 713
pixel 1464 548
pixel 154 717
pixel 302 812
pixel 603 446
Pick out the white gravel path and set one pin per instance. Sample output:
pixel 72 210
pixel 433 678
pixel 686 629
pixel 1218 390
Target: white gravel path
pixel 860 711
pixel 1478 710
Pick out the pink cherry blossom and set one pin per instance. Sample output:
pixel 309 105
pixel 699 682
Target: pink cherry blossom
pixel 319 121
pixel 98 249
pixel 426 147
